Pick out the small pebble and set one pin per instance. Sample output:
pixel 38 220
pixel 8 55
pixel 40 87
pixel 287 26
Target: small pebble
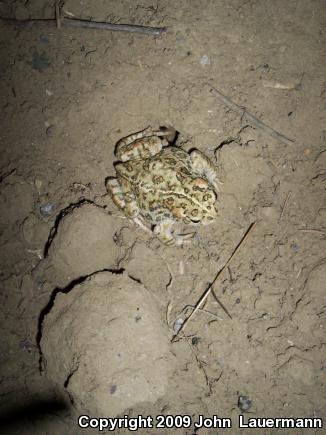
pixel 295 247
pixel 40 284
pixel 244 403
pixel 47 209
pixel 195 340
pixel 113 388
pixel 205 60
pixel 177 325
pixel 26 345
pixel 50 130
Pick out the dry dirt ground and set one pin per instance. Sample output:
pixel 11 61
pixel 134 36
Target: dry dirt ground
pixel 66 97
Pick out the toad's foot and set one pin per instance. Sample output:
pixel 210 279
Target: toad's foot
pixel 166 234
pixel 138 221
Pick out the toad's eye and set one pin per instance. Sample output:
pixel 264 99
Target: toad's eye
pixel 195 221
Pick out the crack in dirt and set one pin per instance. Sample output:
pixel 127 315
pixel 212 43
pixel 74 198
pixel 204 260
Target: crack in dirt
pixel 70 375
pixel 137 280
pixel 236 139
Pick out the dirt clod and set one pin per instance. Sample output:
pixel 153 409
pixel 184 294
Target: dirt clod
pixel 114 357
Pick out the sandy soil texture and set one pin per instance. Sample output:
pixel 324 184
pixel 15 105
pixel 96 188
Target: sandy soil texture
pixel 67 96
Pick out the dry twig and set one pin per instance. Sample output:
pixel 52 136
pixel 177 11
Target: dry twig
pixel 249 117
pixel 69 22
pixel 202 310
pixel 285 204
pixel 209 289
pixel 313 230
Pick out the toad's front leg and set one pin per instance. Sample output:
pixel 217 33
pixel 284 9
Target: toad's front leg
pixel 202 165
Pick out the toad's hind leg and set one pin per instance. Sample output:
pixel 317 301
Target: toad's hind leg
pixel 143 144
pixel 202 165
pixel 127 140
pixel 122 197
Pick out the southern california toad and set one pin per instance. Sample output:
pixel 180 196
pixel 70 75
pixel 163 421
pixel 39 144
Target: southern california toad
pixel 159 184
